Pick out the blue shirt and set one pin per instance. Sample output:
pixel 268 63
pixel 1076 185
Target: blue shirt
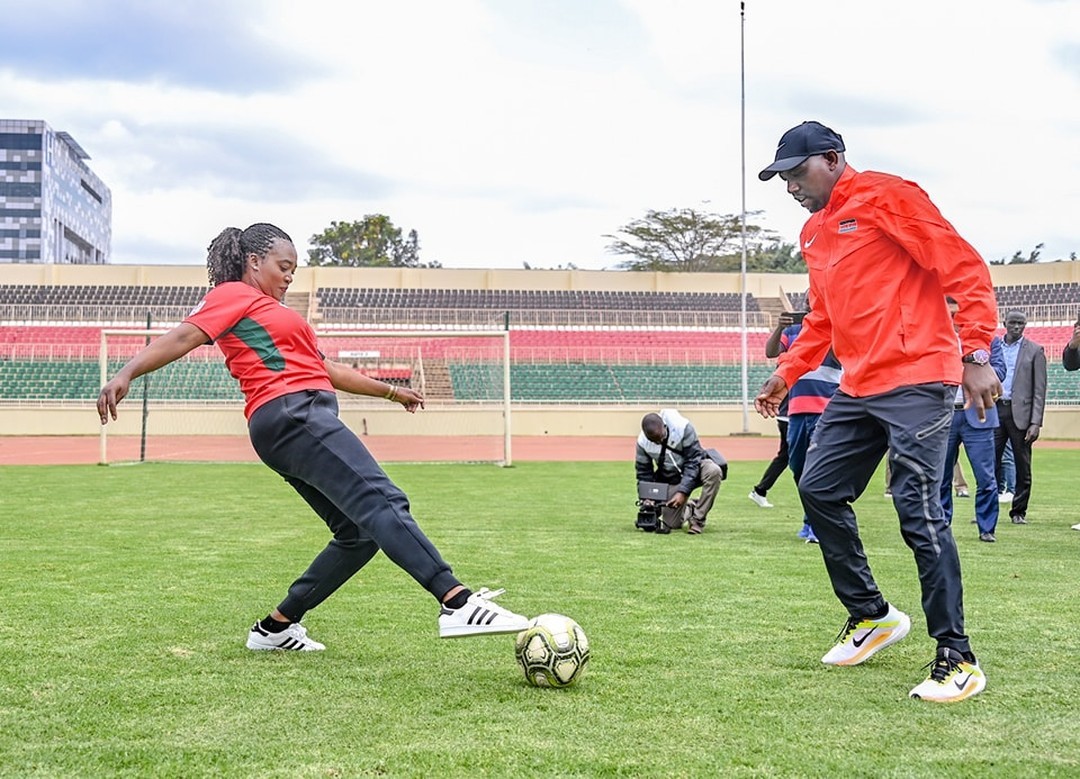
pixel 1010 350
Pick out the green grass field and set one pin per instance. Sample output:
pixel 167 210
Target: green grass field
pixel 129 590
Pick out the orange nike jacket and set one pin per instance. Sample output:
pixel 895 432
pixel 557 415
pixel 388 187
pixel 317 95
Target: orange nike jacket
pixel 881 260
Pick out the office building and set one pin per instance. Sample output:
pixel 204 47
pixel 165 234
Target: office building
pixel 53 208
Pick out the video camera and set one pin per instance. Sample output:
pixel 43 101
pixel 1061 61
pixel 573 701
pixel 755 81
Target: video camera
pixel 652 496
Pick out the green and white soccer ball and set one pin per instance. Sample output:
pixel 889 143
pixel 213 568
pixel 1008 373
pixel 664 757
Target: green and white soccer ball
pixel 552 651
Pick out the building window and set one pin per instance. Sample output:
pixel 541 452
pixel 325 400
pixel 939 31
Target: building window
pixel 20 189
pixel 21 165
pixel 90 190
pixel 20 141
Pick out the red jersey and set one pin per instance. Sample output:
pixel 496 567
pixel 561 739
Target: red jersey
pixel 269 348
pixel 881 260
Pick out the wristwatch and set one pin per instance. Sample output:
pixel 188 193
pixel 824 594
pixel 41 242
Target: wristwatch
pixel 978 357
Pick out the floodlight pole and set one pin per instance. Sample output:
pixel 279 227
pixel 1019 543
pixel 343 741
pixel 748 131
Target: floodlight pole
pixel 742 146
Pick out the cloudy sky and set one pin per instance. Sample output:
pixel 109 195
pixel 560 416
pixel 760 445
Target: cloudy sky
pixel 523 131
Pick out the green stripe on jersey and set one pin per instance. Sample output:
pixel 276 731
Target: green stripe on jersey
pixel 259 341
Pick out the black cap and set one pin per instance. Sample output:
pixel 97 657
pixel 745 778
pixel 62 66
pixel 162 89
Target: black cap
pixel 798 143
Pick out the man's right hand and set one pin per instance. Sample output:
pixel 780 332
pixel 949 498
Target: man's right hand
pixel 784 320
pixel 677 500
pixel 772 394
pixel 981 388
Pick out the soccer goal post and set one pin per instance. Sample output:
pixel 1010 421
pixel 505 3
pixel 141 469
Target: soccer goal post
pixel 192 409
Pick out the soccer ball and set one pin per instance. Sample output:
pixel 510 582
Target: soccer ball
pixel 552 651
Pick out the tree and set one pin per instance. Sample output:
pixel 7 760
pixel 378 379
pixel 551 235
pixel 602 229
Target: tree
pixel 560 266
pixel 373 242
pixel 1019 259
pixel 685 239
pixel 776 257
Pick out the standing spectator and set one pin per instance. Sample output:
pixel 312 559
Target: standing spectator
pixel 292 415
pixel 807 399
pixel 881 260
pixel 977 436
pixel 1020 407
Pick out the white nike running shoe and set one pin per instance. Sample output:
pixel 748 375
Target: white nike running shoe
pixel 862 639
pixel 294 638
pixel 479 616
pixel 952 678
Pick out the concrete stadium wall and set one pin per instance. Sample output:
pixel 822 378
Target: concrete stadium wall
pixel 584 421
pixel 309 279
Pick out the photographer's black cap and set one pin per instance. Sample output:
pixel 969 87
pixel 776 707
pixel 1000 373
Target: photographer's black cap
pixel 799 143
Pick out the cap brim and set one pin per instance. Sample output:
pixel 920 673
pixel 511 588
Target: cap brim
pixel 787 163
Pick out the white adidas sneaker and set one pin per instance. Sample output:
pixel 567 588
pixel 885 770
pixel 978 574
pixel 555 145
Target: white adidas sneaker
pixel 761 500
pixel 294 638
pixel 479 616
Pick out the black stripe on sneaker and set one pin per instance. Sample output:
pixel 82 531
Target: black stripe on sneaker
pixel 290 643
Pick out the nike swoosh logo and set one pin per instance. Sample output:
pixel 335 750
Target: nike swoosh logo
pixel 961 685
pixel 859 642
pixel 810 243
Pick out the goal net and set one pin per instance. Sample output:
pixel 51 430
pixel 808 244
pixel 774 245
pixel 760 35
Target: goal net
pixel 192 409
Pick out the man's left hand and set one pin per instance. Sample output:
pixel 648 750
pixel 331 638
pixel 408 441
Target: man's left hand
pixel 981 388
pixel 677 500
pixel 1032 434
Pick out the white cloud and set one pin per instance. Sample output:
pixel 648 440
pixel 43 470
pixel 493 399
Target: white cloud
pixel 510 133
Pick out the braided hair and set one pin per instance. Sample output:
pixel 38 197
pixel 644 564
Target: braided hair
pixel 226 255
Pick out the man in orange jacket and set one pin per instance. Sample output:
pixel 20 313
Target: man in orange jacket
pixel 881 260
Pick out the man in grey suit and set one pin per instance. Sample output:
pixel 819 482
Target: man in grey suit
pixel 1020 407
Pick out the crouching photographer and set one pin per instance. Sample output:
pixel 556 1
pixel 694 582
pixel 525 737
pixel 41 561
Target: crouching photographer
pixel 670 464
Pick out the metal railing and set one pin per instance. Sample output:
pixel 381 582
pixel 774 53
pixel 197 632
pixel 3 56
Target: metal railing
pixel 537 318
pixel 13 314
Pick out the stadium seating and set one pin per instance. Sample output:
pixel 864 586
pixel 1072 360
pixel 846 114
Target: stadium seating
pixel 583 358
pixel 798 300
pixel 1062 387
pixel 1020 296
pixel 81 380
pixel 365 297
pixel 100 295
pixel 592 382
